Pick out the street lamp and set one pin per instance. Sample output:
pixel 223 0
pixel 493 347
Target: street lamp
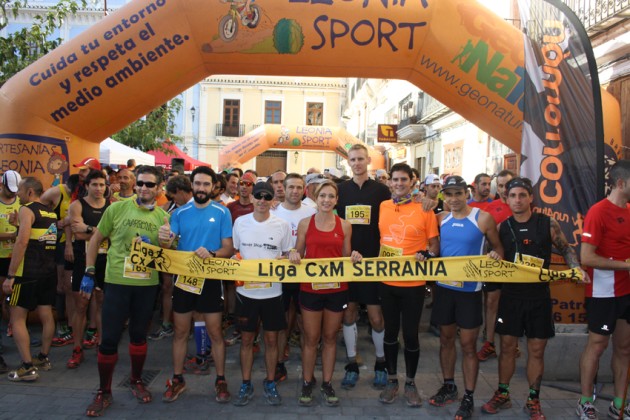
pixel 296 156
pixel 192 113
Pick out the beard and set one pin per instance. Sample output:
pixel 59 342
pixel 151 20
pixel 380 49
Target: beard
pixel 201 197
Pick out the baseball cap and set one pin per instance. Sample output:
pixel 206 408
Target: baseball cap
pixel 315 179
pixel 520 182
pixel 380 172
pixel 432 179
pixel 11 180
pixel 88 162
pixel 262 187
pixel 454 181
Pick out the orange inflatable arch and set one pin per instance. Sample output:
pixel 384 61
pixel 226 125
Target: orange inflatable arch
pixel 60 108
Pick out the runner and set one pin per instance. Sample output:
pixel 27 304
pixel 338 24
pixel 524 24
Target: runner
pixel 527 238
pixel 323 235
pixel 31 277
pixel 260 235
pixel 9 206
pixel 180 190
pixel 606 254
pixel 457 304
pixel 84 214
pixel 277 182
pixel 499 210
pixel 204 227
pixel 312 182
pixel 231 189
pixel 481 191
pixel 130 291
pixel 291 211
pixel 127 183
pixel 359 203
pixel 406 229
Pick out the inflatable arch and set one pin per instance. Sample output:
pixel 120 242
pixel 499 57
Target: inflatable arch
pixel 148 51
pixel 299 137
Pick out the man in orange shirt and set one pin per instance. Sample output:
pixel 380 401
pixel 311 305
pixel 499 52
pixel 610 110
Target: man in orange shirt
pixel 406 229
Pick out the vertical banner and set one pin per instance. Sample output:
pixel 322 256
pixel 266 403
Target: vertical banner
pixel 562 138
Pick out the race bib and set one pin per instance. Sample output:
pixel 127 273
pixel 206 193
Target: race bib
pixel 132 271
pixel 325 286
pixel 390 251
pixel 190 284
pixel 458 284
pixel 528 260
pixel 359 214
pixel 252 285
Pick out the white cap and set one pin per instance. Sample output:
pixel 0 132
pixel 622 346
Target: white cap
pixel 432 179
pixel 11 180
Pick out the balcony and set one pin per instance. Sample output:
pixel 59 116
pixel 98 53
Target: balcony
pixel 599 15
pixel 431 109
pixel 232 130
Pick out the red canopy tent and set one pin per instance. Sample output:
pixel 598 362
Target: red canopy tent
pixel 163 159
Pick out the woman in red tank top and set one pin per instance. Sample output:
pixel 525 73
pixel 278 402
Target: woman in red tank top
pixel 324 235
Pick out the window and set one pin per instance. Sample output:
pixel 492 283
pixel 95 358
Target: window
pixel 273 112
pixel 314 113
pixel 231 115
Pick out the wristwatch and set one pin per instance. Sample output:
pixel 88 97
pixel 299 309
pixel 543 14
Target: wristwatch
pixel 89 229
pixel 214 254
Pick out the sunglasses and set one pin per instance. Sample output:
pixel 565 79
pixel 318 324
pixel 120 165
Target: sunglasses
pixel 146 184
pixel 245 183
pixel 263 196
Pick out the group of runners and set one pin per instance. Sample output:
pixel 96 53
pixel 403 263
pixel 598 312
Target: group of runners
pixel 234 216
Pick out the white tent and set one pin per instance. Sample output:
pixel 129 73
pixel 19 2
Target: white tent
pixel 114 153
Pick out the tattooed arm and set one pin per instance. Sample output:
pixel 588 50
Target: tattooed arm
pixel 562 245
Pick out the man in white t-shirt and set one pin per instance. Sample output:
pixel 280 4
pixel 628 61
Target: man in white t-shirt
pixel 312 180
pixel 292 211
pixel 260 235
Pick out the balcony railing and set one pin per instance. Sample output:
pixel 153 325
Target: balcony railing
pixel 431 109
pixel 232 130
pixel 597 15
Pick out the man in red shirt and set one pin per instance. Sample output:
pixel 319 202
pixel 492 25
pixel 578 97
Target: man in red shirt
pixel 606 254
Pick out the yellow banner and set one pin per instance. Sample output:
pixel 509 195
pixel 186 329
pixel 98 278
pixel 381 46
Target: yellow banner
pixel 473 268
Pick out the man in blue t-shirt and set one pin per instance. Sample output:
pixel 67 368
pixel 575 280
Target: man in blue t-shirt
pixel 204 227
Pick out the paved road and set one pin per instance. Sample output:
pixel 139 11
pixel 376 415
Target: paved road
pixel 64 394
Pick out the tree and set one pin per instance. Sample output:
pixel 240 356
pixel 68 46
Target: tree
pixel 150 132
pixel 23 47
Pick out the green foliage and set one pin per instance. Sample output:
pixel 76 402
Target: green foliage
pixel 23 47
pixel 150 132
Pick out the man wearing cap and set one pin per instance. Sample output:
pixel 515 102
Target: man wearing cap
pixel 433 185
pixel 499 210
pixel 312 181
pixel 30 278
pixel 204 227
pixel 481 191
pixel 359 203
pixel 526 308
pixel 9 206
pixel 260 235
pixel 458 304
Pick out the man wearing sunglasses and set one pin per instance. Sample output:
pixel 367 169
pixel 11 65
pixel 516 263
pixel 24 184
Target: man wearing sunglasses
pixel 260 235
pixel 131 290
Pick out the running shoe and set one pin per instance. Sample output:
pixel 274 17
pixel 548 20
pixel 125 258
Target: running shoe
pixel 174 387
pixel 586 411
pixel 75 359
pixel 270 392
pixel 222 393
pixel 245 394
pixel 256 346
pixel 466 408
pixel 281 373
pixel 142 394
pixel 100 403
pixel 487 351
pixel 411 396
pixel 163 332
pixel 380 379
pixel 615 412
pixel 42 363
pixel 197 366
pixel 63 340
pixel 306 396
pixel 233 339
pixel 24 374
pixel 294 339
pixel 328 395
pixel 498 402
pixel 351 377
pixel 90 341
pixel 533 409
pixel 445 395
pixel 389 394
